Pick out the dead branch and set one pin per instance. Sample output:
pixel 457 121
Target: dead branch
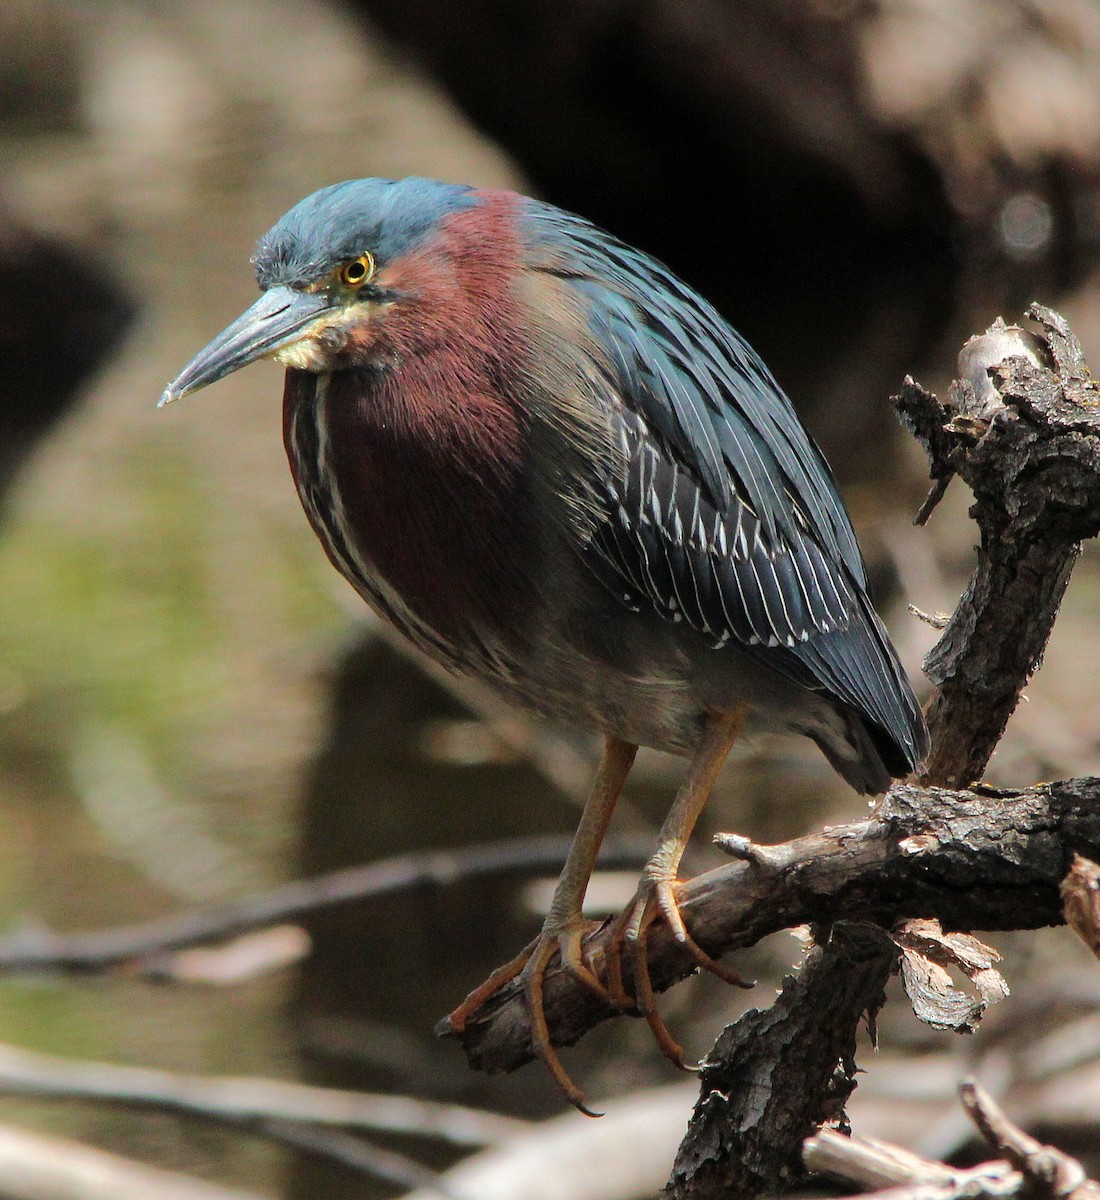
pixel 144 947
pixel 747 1089
pixel 1027 1167
pixel 885 1170
pixel 312 1119
pixel 37 1166
pixel 989 859
pixel 238 1099
pixel 350 1151
pixel 1045 1170
pixel 1022 428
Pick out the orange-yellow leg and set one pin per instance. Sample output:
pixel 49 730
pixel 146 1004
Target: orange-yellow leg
pixel 565 926
pixel 658 887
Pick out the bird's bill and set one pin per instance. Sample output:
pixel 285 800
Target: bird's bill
pixel 280 317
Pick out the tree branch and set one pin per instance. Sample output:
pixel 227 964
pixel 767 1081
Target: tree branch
pixel 990 859
pixel 1022 427
pixel 250 1101
pixel 144 946
pixel 39 1166
pixel 746 1091
pixel 1028 1168
pixel 1024 433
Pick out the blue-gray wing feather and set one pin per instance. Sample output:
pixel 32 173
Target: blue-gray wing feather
pixel 721 511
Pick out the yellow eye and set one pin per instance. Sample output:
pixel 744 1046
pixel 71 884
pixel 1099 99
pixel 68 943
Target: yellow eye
pixel 358 271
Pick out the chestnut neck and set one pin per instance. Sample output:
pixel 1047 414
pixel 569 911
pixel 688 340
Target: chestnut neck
pixel 420 467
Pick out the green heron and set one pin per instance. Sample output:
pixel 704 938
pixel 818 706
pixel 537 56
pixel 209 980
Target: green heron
pixel 555 468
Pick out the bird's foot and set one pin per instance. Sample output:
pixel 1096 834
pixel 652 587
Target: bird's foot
pixel 565 938
pixel 656 897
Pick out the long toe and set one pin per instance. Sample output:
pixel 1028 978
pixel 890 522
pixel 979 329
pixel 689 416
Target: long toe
pixel 667 902
pixel 532 977
pixel 529 967
pixel 499 979
pixel 640 918
pixel 614 953
pixel 656 897
pixel 571 949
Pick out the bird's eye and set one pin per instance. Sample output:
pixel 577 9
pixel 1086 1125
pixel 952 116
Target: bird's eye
pixel 358 271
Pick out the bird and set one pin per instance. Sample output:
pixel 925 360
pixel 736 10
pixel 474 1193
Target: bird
pixel 558 470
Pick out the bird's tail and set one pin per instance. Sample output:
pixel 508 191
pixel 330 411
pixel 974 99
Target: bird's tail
pixel 863 756
pixel 884 734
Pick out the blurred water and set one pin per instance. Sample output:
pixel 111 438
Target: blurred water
pixel 190 705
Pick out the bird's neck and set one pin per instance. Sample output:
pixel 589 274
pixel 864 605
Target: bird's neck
pixel 414 481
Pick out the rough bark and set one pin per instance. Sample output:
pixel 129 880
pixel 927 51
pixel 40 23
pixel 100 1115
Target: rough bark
pixel 747 1093
pixel 1022 428
pixel 1029 448
pixel 988 859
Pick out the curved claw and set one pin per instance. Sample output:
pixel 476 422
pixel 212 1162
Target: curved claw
pixel 638 935
pixel 655 897
pixel 665 899
pixel 570 942
pixel 530 967
pixel 532 976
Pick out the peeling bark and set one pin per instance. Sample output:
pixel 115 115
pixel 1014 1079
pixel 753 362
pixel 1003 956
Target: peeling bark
pixel 748 1093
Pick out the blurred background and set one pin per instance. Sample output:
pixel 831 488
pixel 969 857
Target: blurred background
pixel 193 706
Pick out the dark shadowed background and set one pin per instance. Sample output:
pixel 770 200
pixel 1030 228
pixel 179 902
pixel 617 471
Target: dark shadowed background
pixel 193 705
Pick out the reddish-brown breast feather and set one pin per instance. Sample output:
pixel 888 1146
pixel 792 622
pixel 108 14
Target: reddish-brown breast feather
pixel 429 452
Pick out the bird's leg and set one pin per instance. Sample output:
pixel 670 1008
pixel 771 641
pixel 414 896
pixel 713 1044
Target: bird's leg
pixel 658 887
pixel 565 926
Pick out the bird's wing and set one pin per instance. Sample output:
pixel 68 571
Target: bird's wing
pixel 721 504
pixel 676 551
pixel 721 512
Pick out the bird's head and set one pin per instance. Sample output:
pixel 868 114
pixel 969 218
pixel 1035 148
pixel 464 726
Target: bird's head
pixel 331 275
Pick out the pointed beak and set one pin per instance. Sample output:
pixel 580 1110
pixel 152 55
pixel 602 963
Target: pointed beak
pixel 275 320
